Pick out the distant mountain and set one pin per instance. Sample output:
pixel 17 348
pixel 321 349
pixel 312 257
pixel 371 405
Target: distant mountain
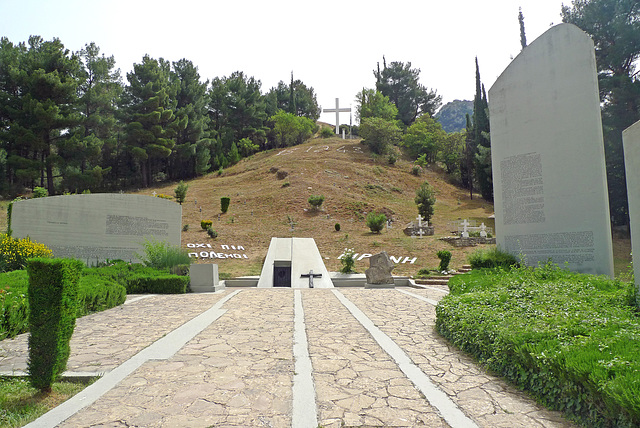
pixel 452 116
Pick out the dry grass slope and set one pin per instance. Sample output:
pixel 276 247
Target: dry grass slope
pixel 353 184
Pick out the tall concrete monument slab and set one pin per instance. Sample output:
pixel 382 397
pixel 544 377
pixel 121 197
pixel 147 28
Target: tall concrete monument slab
pixel 631 142
pixel 547 155
pixel 295 263
pixel 97 227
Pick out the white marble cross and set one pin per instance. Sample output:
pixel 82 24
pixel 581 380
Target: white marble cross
pixel 154 193
pixel 419 218
pixel 465 232
pixel 337 111
pixel 420 232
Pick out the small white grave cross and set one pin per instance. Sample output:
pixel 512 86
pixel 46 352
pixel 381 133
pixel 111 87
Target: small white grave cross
pixel 337 111
pixel 465 232
pixel 483 231
pixel 420 232
pixel 154 193
pixel 419 218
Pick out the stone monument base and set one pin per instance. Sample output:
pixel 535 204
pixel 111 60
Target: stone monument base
pixel 367 285
pixel 204 278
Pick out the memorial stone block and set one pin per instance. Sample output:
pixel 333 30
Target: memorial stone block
pixel 631 142
pixel 547 153
pixel 97 227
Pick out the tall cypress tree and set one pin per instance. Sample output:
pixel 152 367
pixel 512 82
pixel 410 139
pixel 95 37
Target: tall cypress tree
pixel 523 37
pixel 481 139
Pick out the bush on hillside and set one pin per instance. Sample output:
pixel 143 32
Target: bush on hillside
pixel 445 258
pixel 315 201
pixel 224 204
pixel 206 224
pixel 181 192
pixel 376 222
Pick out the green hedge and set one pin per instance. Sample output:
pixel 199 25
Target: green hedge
pixel 571 340
pixel 53 301
pixel 165 284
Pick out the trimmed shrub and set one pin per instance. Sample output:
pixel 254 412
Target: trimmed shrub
pixel 445 258
pixel 97 294
pixel 212 233
pixel 315 201
pixel 376 221
pixel 164 284
pixel 14 253
pixel 224 204
pixel 569 339
pixel 491 258
pixel 53 301
pixel 206 224
pixel 337 227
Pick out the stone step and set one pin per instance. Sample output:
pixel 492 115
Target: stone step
pixel 432 281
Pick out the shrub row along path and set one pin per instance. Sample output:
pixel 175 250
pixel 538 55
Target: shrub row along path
pixel 279 358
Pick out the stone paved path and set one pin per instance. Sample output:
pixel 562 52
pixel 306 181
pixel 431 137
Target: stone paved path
pixel 239 371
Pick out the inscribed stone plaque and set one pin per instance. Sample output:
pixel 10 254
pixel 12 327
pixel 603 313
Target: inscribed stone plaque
pixel 631 141
pixel 97 227
pixel 547 155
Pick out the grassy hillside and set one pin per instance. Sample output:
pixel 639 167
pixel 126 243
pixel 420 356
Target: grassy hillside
pixel 353 184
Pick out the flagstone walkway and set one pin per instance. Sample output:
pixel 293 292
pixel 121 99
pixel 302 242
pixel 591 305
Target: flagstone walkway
pixel 362 358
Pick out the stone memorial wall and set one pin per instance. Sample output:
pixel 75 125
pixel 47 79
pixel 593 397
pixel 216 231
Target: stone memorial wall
pixel 631 141
pixel 547 153
pixel 97 227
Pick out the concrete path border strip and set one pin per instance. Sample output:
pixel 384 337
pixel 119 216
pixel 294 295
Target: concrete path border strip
pixel 424 299
pixel 161 349
pixel 304 395
pixel 448 409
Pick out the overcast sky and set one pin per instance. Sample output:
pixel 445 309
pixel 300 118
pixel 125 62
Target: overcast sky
pixel 332 46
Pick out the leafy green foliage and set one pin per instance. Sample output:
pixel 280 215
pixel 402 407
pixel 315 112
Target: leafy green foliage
pixel 326 132
pixel 206 224
pixel 212 233
pixel 445 258
pixel 337 227
pixel 569 339
pixel 424 137
pixel 14 253
pixel 53 299
pixel 224 204
pixel 40 192
pixel 491 258
pixel 372 103
pixel 315 201
pixel 181 192
pixel 348 261
pixel 160 284
pixel 376 221
pixel 425 200
pixel 161 255
pixel 399 82
pixel 295 98
pixel 290 130
pixel 379 133
pixel 14 306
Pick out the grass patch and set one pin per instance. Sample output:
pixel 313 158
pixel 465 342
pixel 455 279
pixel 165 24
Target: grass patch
pixel 569 339
pixel 20 403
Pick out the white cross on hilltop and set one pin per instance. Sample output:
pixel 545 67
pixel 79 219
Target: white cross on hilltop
pixel 337 111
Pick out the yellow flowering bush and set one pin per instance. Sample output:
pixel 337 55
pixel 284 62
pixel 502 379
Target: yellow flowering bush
pixel 14 253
